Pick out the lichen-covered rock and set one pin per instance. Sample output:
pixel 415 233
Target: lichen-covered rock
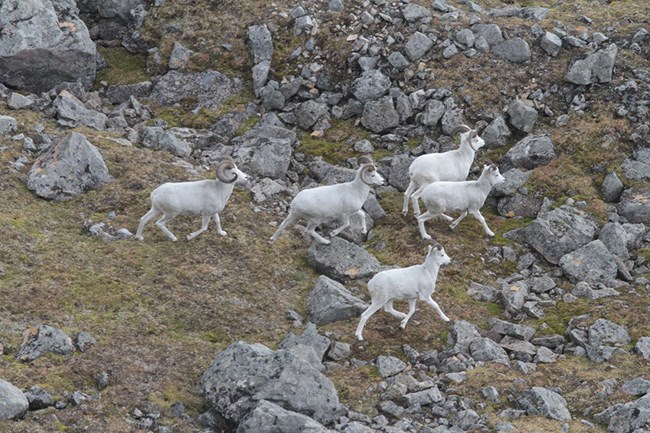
pixel 41 339
pixel 417 45
pixel 265 150
pixel 634 206
pixel 342 260
pixel 496 133
pixel 514 50
pixel 612 188
pixel 530 152
pixel 67 169
pixel 71 112
pixel 627 418
pixel 7 125
pixel 522 115
pixel 371 85
pixel 544 402
pixel 596 68
pixel 207 89
pixel 43 43
pixel 380 115
pixel 592 263
pixel 268 417
pixel 260 42
pixel 330 301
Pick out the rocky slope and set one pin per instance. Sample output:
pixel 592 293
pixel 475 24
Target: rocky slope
pixel 103 101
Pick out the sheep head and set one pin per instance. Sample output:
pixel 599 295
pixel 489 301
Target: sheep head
pixel 475 142
pixel 368 172
pixel 227 171
pixel 437 255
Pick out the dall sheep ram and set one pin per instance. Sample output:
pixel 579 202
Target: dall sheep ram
pixel 202 197
pixel 467 196
pixel 453 165
pixel 329 202
pixel 412 283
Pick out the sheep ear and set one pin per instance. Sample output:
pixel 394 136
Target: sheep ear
pixel 493 167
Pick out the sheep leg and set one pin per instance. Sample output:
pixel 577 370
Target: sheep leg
pixel 407 195
pixel 364 227
pixel 421 220
pixel 288 220
pixel 205 220
pixel 406 319
pixel 346 224
pixel 477 214
pixel 217 221
pixel 161 225
pixel 372 309
pixel 390 310
pixel 311 229
pixel 459 219
pixel 415 197
pixel 153 213
pixel 436 307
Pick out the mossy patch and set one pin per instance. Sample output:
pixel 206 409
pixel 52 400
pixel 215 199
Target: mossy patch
pixel 125 67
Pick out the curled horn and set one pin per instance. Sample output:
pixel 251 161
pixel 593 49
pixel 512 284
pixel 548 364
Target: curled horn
pixel 473 134
pixel 365 172
pixel 488 161
pixel 460 128
pixel 365 160
pixel 224 165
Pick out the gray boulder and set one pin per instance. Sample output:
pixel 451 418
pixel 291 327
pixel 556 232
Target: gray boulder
pixel 260 42
pixel 544 402
pixel 490 32
pixel 330 301
pixel 388 366
pixel 592 263
pixel 398 174
pixel 209 89
pixel 635 170
pixel 606 332
pixel 38 340
pixel 342 260
pixel 119 93
pixel 38 398
pixel 596 68
pixel 465 37
pixel 515 179
pixel 558 232
pixel 371 85
pixel 265 151
pixel 614 236
pixel 397 60
pixel 44 43
pixel 13 403
pixel 16 101
pixel 71 112
pixel 522 115
pixel 433 112
pixel 7 125
pixel 583 289
pixel 627 418
pixel 551 43
pixel 310 338
pixel 154 137
pixel 496 133
pixel 260 75
pixel 67 169
pixel 380 115
pixel 309 112
pixel 482 292
pixel 634 206
pixel 417 45
pixel 486 350
pixel 522 332
pixel 514 50
pixel 244 374
pixel 179 56
pixel 612 188
pixel 642 347
pixel 461 335
pixel 453 117
pixel 268 417
pixel 530 152
pixel 114 19
pixel 637 386
pixel 513 295
pixel 414 12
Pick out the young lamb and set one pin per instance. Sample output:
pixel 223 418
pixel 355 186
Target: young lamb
pixel 467 196
pixel 328 202
pixel 453 165
pixel 202 197
pixel 410 283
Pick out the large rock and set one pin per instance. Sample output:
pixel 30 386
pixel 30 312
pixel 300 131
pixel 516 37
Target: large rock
pixel 513 295
pixel 268 417
pixel 309 112
pixel 544 402
pixel 515 179
pixel 413 12
pixel 551 43
pixel 67 169
pixel 207 89
pixel 260 42
pixel 627 418
pixel 7 125
pixel 486 350
pixel 514 50
pixel 310 338
pixel 614 236
pixel 71 112
pixel 244 374
pixel 612 188
pixel 114 19
pixel 13 403
pixel 490 32
pixel 380 115
pixel 330 301
pixel 596 68
pixel 592 263
pixel 371 85
pixel 38 340
pixel 342 260
pixel 532 151
pixel 642 347
pixel 496 133
pixel 558 232
pixel 522 115
pixel 418 45
pixel 635 206
pixel 265 151
pixel 44 43
pixel 606 332
pixel 461 336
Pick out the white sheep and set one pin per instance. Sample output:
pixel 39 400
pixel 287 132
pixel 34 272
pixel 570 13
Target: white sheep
pixel 412 283
pixel 202 197
pixel 453 165
pixel 329 202
pixel 467 196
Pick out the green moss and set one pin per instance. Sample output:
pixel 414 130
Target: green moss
pixel 125 67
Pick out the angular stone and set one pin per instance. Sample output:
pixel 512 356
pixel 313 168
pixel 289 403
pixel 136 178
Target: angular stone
pixel 592 263
pixel 642 347
pixel 209 89
pixel 634 206
pixel 342 260
pixel 371 85
pixel 260 42
pixel 41 339
pixel 482 292
pixel 496 134
pixel 414 12
pixel 179 56
pixel 490 32
pixel 7 125
pixel 596 68
pixel 606 332
pixel 522 115
pixel 521 332
pixel 380 115
pixel 389 366
pixel 486 350
pixel 13 403
pixel 38 398
pixel 418 45
pixel 17 101
pixel 330 301
pixel 514 296
pixel 268 417
pixel 309 112
pixel 544 402
pixel 72 112
pixel 514 50
pixel 461 335
pixel 551 43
